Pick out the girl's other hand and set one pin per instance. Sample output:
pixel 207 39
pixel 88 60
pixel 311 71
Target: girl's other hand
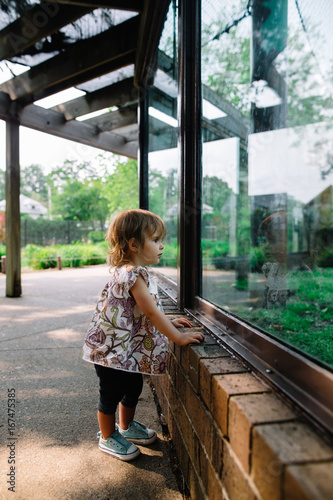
pixel 181 322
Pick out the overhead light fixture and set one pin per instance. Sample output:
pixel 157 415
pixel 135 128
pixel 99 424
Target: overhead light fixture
pixel 163 117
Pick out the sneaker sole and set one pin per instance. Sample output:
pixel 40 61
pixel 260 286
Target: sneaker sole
pixel 124 458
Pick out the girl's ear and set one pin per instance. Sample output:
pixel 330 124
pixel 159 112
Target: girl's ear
pixel 133 245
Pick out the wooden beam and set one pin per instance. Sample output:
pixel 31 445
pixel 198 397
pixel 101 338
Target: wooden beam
pixel 5 105
pixel 153 18
pixel 77 59
pixel 81 78
pixel 133 5
pixel 117 94
pixel 54 123
pixel 115 120
pixel 37 23
pixel 13 225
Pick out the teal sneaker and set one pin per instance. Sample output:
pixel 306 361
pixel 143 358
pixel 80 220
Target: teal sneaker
pixel 117 446
pixel 138 433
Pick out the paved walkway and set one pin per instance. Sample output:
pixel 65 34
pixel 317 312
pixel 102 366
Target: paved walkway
pixel 54 441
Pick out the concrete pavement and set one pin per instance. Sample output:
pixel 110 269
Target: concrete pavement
pixel 48 447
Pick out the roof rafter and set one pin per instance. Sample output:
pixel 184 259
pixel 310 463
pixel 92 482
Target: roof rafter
pixel 54 123
pixel 115 120
pixel 37 23
pixel 51 122
pixel 84 55
pixel 133 5
pixel 117 94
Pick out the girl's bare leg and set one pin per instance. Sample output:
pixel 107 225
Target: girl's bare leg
pixel 126 416
pixel 107 424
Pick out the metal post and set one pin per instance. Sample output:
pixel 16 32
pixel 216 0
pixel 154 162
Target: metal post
pixel 13 221
pixel 189 113
pixel 143 148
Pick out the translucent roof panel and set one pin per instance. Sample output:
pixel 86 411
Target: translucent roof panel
pixel 10 10
pixel 109 79
pixel 87 26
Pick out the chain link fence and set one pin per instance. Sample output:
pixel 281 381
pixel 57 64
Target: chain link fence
pixel 59 232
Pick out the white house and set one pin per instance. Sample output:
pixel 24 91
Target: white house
pixel 28 206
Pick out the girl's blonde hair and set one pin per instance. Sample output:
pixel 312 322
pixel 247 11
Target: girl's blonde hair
pixel 137 224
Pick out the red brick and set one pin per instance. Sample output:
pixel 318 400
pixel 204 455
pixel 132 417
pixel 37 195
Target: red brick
pixel 224 386
pixel 180 382
pixel 184 424
pixel 277 445
pixel 214 366
pixel 309 482
pixel 244 412
pixel 217 450
pixel 200 418
pixel 198 352
pixel 234 479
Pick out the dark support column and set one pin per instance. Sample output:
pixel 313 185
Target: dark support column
pixel 269 38
pixel 13 226
pixel 189 99
pixel 143 149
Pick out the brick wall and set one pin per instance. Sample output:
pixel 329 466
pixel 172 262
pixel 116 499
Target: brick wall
pixel 236 439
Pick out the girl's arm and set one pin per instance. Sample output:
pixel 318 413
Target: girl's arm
pixel 147 305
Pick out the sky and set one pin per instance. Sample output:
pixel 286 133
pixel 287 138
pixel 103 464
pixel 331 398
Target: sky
pixel 46 150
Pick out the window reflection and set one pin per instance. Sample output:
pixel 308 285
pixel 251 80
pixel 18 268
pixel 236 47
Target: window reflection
pixel 267 218
pixel 163 152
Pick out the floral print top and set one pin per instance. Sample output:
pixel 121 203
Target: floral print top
pixel 120 335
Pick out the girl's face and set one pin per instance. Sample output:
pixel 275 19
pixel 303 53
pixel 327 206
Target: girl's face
pixel 150 253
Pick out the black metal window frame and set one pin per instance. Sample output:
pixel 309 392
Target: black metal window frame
pixel 306 383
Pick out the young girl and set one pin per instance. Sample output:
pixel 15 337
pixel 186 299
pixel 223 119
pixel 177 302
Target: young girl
pixel 129 332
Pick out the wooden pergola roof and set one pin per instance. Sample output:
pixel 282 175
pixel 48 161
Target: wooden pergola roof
pixel 105 48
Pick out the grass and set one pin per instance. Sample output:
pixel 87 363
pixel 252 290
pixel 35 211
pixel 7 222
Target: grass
pixel 306 322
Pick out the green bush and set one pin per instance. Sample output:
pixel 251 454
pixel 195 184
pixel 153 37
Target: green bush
pixel 257 258
pixel 93 254
pixel 169 257
pixel 96 236
pixel 2 252
pixel 76 255
pixel 71 255
pixel 43 258
pixel 326 259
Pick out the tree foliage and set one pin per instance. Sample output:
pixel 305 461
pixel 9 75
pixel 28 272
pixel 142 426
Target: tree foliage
pixel 121 189
pixel 34 183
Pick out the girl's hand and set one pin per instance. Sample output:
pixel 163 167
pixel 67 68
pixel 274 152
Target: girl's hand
pixel 181 322
pixel 187 337
pixel 190 338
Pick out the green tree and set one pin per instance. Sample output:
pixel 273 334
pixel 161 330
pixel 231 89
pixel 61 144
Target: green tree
pixel 121 188
pixel 34 183
pixel 163 192
pixel 226 66
pixel 81 200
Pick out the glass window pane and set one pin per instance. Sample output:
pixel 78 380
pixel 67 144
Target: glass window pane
pixel 163 151
pixel 267 217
